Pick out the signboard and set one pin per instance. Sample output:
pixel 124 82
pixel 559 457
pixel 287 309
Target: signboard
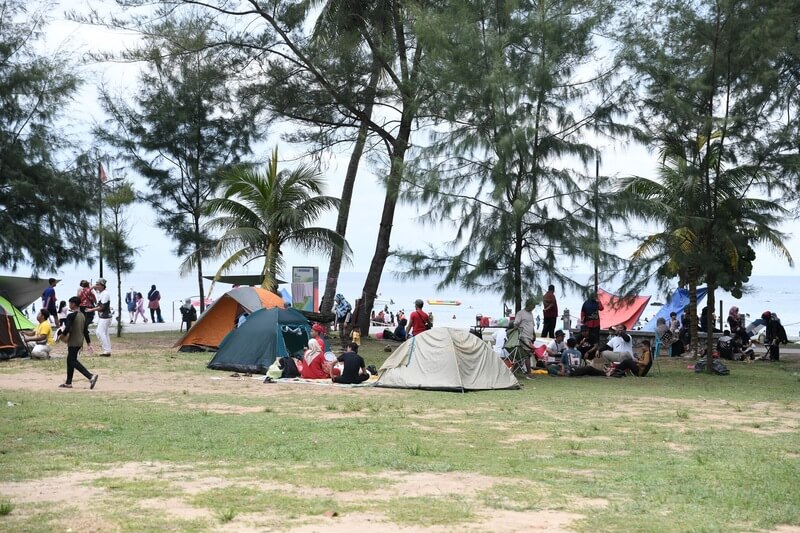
pixel 305 288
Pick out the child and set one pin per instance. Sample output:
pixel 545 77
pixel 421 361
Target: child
pixel 62 313
pixel 570 358
pixel 139 308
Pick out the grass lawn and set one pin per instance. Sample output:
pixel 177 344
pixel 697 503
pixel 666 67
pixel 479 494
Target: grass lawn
pixel 163 443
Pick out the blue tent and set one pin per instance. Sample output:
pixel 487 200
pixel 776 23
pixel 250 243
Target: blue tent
pixel 266 335
pixel 676 302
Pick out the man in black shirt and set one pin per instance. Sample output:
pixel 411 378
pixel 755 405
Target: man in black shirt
pixel 355 370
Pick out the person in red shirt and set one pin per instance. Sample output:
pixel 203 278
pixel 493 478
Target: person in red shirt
pixel 418 319
pixel 314 356
pixel 549 313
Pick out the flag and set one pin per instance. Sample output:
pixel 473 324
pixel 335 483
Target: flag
pixel 102 173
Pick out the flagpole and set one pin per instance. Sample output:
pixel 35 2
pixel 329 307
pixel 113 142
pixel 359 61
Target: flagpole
pixel 100 209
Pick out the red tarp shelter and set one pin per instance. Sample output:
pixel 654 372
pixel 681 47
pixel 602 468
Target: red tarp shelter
pixel 618 310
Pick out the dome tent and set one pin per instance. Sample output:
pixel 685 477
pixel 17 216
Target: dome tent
pixel 265 336
pixel 220 317
pixel 445 359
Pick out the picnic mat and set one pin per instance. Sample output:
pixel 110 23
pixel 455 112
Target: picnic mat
pixel 325 382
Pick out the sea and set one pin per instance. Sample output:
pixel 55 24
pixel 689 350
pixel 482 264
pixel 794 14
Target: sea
pixel 779 294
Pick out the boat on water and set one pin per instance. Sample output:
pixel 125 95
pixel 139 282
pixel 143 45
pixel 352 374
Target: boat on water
pixel 444 302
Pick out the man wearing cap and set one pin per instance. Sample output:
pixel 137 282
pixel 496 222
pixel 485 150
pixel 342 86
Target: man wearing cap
pixel 556 347
pixel 103 309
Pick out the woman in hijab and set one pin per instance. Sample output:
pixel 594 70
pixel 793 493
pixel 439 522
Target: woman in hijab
pixel 314 356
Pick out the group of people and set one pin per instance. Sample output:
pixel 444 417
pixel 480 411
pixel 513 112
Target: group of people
pixel 614 357
pixel 135 303
pixel 90 301
pixel 318 362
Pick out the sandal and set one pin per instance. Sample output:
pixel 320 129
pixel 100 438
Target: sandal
pixel 65 386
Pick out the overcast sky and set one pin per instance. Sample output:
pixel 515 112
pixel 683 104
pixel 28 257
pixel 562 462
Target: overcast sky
pixel 156 248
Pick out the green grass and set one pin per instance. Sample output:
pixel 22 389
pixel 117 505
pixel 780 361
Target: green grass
pixel 673 452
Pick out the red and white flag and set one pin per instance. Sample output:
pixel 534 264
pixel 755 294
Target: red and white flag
pixel 102 173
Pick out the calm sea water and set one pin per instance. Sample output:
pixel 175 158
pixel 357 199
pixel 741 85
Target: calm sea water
pixel 779 294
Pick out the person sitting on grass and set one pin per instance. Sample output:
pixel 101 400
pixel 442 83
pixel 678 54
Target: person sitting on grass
pixel 314 356
pixel 638 367
pixel 354 370
pixel 41 341
pixel 556 346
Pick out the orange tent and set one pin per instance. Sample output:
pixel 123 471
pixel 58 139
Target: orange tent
pixel 618 310
pixel 218 319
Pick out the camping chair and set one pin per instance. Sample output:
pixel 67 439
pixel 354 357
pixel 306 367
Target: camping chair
pixel 516 355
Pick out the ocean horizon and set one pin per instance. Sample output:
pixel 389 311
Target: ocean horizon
pixel 779 294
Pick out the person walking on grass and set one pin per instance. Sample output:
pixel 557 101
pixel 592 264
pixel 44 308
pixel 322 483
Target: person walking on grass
pixel 72 334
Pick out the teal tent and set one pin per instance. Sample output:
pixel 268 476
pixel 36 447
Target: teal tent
pixel 266 335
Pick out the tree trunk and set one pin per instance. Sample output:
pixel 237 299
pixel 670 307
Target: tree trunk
pixel 335 265
pixel 201 289
pixel 710 326
pixel 693 317
pixel 119 300
pixel 370 291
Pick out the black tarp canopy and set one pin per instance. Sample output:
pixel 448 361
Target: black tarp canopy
pixel 21 291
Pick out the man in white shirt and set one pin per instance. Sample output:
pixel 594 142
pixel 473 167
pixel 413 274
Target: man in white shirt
pixel 103 309
pixel 500 338
pixel 621 345
pixel 555 347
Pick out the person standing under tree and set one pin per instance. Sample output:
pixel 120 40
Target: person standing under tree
pixel 523 321
pixel 418 320
pixel 590 316
pixel 73 336
pixel 49 300
pixel 549 312
pixel 103 309
pixel 342 309
pixel 154 297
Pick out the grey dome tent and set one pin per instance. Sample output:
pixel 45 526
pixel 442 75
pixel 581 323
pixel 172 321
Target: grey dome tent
pixel 445 359
pixel 266 335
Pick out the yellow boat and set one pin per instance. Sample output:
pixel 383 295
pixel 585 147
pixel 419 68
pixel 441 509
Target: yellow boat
pixel 444 302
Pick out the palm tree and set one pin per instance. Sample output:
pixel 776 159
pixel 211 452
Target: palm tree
pixel 707 227
pixel 352 22
pixel 258 215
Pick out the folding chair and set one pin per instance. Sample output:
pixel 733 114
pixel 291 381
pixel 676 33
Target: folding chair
pixel 516 355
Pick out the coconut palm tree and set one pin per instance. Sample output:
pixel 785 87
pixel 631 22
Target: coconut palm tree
pixel 707 227
pixel 259 215
pixel 351 24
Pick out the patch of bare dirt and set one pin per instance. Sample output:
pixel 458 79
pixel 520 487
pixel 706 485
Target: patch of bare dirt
pixel 515 439
pixel 76 489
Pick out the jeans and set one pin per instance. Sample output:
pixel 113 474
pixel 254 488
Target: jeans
pixel 73 363
pixel 103 324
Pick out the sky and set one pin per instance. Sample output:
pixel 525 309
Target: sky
pixel 156 249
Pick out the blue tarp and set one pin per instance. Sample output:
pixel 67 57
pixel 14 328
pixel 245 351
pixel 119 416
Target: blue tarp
pixel 676 302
